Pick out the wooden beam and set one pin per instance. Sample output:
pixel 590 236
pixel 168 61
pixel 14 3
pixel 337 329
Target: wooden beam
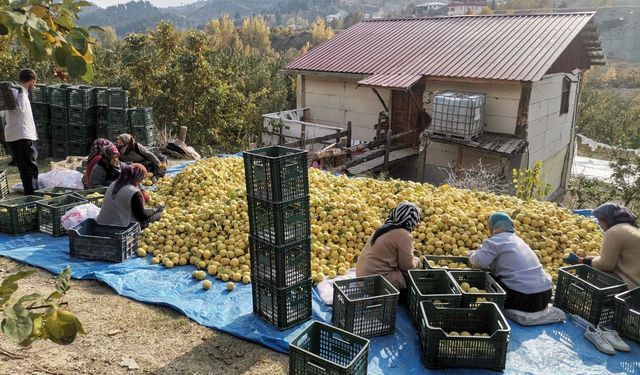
pixel 386 109
pixel 324 138
pixel 459 162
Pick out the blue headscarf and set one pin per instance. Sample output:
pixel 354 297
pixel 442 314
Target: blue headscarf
pixel 500 221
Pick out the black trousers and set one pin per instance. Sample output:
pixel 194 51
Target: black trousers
pixel 526 302
pixel 25 154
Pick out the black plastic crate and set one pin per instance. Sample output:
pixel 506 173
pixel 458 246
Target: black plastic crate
pixel 81 97
pixel 102 116
pixel 440 349
pixel 43 146
pixel 19 215
pixel 95 196
pixel 145 136
pixel 585 291
pixel 79 148
pixel 82 117
pixel 626 319
pixel 276 173
pixel 279 223
pixel 39 94
pixel 483 281
pixel 118 118
pixel 436 286
pixel 90 240
pixel 280 266
pixel 282 307
pixel 40 113
pixel 102 131
pixel 101 96
pixel 81 133
pixel 323 349
pixel 366 306
pixel 51 210
pixel 59 149
pixel 141 117
pixel 58 115
pixel 54 191
pixel 439 261
pixel 4 185
pixel 118 98
pixel 59 96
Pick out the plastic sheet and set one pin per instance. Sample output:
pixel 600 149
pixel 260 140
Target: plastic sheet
pixel 559 348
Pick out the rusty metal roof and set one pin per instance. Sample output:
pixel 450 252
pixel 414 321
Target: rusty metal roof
pixel 392 81
pixel 503 47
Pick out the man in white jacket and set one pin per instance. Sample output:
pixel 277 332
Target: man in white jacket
pixel 20 132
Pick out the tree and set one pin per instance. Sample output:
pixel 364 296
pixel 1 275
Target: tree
pixel 486 10
pixel 625 176
pixel 528 185
pixel 320 32
pixel 255 35
pixel 352 18
pixel 46 28
pixel 223 33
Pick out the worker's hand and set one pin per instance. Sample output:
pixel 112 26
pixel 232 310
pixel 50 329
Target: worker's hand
pixel 159 208
pixel 571 259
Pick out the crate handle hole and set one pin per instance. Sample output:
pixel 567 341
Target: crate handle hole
pixel 374 306
pixel 338 337
pixel 317 367
pixel 577 287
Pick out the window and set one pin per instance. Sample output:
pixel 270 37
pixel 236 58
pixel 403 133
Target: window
pixel 564 99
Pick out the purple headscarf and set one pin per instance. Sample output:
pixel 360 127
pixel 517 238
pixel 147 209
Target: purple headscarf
pixel 612 214
pixel 130 175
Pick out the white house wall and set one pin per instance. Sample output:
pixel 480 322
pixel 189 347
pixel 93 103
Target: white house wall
pixel 336 101
pixel 549 132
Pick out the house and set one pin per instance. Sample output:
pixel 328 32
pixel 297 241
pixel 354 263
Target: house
pixel 430 8
pixel 461 8
pixel 528 66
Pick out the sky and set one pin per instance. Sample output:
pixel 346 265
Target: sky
pixel 158 3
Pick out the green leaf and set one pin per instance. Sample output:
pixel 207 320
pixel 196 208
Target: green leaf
pixel 14 17
pixel 11 279
pixel 37 23
pixel 6 291
pixel 60 55
pixel 17 325
pixel 53 297
pixel 88 76
pixel 34 297
pixel 3 29
pixel 78 41
pixel 64 278
pixel 96 28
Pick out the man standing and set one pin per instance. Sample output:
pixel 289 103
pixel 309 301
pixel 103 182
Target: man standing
pixel 20 133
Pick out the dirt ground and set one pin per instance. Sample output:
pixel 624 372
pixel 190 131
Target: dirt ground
pixel 128 337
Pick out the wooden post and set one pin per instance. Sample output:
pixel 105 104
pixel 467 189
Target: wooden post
pixel 303 137
pixel 459 162
pixel 182 134
pixel 349 133
pixel 387 150
pixel 422 160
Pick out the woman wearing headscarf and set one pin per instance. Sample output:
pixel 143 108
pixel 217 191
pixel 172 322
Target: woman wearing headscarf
pixel 95 154
pixel 123 202
pixel 620 249
pixel 515 265
pixel 107 169
pixel 389 251
pixel 133 152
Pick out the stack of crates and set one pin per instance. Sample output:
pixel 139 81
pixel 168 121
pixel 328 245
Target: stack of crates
pixel 102 105
pixel 117 114
pixel 59 120
pixel 40 109
pixel 82 120
pixel 278 203
pixel 142 126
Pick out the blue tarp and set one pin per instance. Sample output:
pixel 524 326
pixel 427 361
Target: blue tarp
pixel 559 348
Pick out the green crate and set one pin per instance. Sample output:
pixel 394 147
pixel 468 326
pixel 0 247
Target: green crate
pixel 282 307
pixel 54 191
pixel 40 113
pixel 366 306
pixel 279 223
pixel 58 115
pixel 118 98
pixel 95 196
pixel 19 215
pixel 81 133
pixel 146 136
pixel 59 96
pixel 39 94
pixel 439 258
pixel 588 292
pixel 90 240
pixel 280 266
pixel 431 285
pixel 82 117
pixel 323 349
pixel 276 173
pixel 81 97
pixel 442 350
pixel 59 150
pixel 626 320
pixel 79 148
pixel 141 117
pixel 481 280
pixel 51 210
pixel 43 146
pixel 102 116
pixel 4 185
pixel 101 96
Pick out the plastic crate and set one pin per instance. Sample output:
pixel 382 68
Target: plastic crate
pixel 102 116
pixel 280 266
pixel 58 115
pixel 87 194
pixel 438 258
pixel 51 210
pixel 79 148
pixel 4 185
pixel 118 98
pixel 145 136
pixel 441 350
pixel 282 307
pixel 585 291
pixel 102 131
pixel 323 349
pixel 276 173
pixel 141 117
pixel 43 146
pixel 39 94
pixel 19 215
pixel 54 191
pixel 279 223
pixel 481 280
pixel 626 319
pixel 59 149
pixel 40 113
pixel 85 117
pixel 59 96
pixel 81 134
pixel 366 306
pixel 101 96
pixel 458 115
pixel 436 286
pixel 90 240
pixel 118 118
pixel 81 97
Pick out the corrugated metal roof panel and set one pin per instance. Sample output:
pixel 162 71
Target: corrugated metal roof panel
pixel 503 47
pixel 393 81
